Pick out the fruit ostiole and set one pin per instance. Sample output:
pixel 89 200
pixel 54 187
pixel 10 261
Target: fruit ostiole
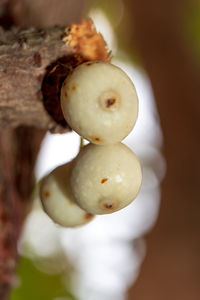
pixel 99 102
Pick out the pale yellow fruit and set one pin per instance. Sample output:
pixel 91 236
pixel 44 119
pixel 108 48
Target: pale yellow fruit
pixel 99 102
pixel 57 200
pixel 105 178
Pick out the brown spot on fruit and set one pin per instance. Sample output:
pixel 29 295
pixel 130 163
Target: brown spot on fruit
pixel 108 205
pixel 104 180
pixel 89 64
pixel 73 87
pixel 110 102
pixel 65 94
pixel 88 216
pixel 96 139
pixel 46 194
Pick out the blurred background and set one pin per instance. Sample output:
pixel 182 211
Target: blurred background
pixel 151 249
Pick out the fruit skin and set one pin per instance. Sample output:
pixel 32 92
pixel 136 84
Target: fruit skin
pixel 105 178
pixel 57 199
pixel 99 102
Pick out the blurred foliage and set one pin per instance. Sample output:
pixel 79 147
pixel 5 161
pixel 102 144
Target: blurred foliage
pixel 118 15
pixel 192 28
pixel 112 8
pixel 36 285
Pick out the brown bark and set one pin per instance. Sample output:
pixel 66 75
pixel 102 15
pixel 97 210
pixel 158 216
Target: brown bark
pixel 33 64
pixel 19 148
pixel 24 57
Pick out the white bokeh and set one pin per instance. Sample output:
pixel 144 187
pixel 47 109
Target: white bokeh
pixel 108 251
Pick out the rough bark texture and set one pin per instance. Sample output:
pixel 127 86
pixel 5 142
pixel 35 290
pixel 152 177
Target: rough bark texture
pixel 24 57
pixel 33 64
pixel 18 152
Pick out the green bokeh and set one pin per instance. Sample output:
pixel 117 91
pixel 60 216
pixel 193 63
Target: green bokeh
pixel 36 285
pixel 112 9
pixel 192 29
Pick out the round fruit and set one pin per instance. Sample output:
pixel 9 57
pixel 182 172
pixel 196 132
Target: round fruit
pixel 99 102
pixel 105 178
pixel 57 199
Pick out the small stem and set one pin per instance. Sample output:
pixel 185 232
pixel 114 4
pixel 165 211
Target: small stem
pixel 81 143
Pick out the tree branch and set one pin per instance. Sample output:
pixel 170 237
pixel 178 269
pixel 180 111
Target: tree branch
pixel 33 64
pixel 19 148
pixel 24 57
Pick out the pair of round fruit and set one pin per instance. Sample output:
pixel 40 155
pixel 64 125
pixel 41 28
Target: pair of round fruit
pixel 100 103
